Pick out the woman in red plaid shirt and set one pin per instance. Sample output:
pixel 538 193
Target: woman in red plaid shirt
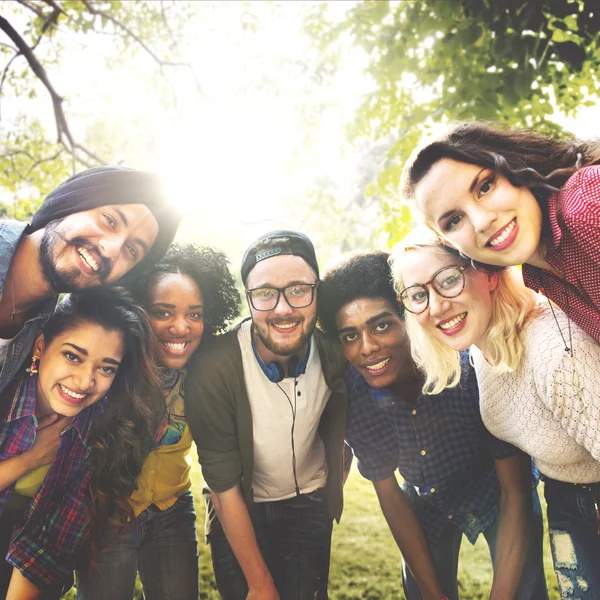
pixel 509 197
pixel 91 385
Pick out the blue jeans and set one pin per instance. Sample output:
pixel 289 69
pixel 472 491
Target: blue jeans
pixel 574 539
pixel 445 560
pixel 294 537
pixel 162 546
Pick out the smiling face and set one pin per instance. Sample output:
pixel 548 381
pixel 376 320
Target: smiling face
pixel 481 213
pixel 76 368
pixel 458 322
pixel 97 246
pixel 374 340
pixel 176 309
pixel 283 331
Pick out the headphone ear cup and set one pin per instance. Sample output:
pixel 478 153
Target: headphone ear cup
pixel 276 372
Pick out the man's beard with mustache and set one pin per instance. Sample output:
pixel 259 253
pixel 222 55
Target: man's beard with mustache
pixel 287 351
pixel 65 281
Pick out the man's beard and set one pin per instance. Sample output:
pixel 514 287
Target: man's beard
pixel 287 350
pixel 64 280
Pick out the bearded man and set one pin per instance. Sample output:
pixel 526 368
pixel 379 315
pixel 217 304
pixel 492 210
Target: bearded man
pixel 267 407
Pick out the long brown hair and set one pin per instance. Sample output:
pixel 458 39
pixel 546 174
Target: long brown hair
pixel 125 433
pixel 525 157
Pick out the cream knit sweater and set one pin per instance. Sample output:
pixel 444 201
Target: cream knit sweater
pixel 537 408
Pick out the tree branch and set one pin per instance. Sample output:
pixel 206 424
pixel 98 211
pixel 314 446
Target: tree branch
pixel 62 126
pixel 4 74
pixel 159 61
pixel 32 8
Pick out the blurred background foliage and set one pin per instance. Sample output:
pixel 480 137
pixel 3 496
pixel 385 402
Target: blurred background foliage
pixel 384 73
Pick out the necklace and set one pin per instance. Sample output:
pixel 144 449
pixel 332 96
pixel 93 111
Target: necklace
pixel 575 378
pixel 17 311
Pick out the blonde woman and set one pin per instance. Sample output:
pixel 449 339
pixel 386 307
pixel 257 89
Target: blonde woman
pixel 538 376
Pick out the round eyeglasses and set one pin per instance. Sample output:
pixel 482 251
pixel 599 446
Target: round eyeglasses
pixel 297 295
pixel 448 282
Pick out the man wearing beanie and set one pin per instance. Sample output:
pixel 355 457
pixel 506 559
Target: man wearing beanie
pixel 90 231
pixel 267 408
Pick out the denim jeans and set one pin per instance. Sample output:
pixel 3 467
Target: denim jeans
pixel 162 546
pixel 445 560
pixel 574 540
pixel 294 537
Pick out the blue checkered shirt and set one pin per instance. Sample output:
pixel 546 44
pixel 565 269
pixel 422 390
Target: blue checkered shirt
pixel 439 445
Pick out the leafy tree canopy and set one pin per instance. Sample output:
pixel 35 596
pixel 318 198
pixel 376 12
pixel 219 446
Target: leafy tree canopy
pixel 514 61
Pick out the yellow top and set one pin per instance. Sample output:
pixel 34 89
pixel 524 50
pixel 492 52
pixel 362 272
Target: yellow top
pixel 165 475
pixel 29 484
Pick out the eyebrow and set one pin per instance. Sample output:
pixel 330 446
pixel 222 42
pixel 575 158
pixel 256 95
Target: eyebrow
pixel 139 241
pixel 167 305
pixel 476 180
pixel 83 351
pixel 270 285
pixel 471 188
pixel 370 321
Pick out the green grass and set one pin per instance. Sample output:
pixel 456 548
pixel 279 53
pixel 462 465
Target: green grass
pixel 365 562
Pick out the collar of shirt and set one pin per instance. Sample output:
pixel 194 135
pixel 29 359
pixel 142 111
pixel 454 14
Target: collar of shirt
pixel 22 405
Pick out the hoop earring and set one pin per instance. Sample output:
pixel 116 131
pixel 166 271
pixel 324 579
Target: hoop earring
pixel 33 369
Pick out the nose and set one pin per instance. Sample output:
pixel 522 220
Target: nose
pixel 112 245
pixel 438 305
pixel 369 345
pixel 84 379
pixel 482 218
pixel 282 307
pixel 179 326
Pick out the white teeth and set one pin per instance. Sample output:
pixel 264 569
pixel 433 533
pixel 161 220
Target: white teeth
pixel 507 231
pixel 378 366
pixel 173 346
pixel 453 323
pixel 88 258
pixel 71 393
pixel 285 325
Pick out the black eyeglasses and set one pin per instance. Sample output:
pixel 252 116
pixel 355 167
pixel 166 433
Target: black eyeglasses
pixel 297 295
pixel 448 282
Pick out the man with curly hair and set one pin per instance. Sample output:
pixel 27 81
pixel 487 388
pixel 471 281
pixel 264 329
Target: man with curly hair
pixel 267 409
pixel 458 479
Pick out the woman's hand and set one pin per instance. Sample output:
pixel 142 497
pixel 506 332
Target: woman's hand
pixel 47 440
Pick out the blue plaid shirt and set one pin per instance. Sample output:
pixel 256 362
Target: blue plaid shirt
pixel 439 445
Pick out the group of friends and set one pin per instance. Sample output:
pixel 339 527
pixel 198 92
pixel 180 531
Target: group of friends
pixel 467 359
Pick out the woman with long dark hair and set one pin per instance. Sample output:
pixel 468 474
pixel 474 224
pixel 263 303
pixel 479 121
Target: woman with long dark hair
pixel 514 196
pixel 189 294
pixel 74 433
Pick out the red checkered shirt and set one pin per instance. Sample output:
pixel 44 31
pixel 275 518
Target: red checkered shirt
pixel 44 549
pixel 573 250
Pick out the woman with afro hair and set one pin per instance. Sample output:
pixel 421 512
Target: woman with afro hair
pixel 189 294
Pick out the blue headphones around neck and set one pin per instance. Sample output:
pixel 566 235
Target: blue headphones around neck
pixel 275 372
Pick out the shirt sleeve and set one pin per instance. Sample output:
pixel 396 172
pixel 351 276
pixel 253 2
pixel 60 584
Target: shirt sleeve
pixel 499 449
pixel 571 387
pixel 46 549
pixel 579 214
pixel 211 410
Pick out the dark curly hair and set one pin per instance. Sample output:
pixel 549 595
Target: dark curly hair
pixel 362 274
pixel 209 269
pixel 525 157
pixel 124 434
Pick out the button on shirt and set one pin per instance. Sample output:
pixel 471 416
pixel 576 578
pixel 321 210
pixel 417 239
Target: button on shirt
pixel 439 445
